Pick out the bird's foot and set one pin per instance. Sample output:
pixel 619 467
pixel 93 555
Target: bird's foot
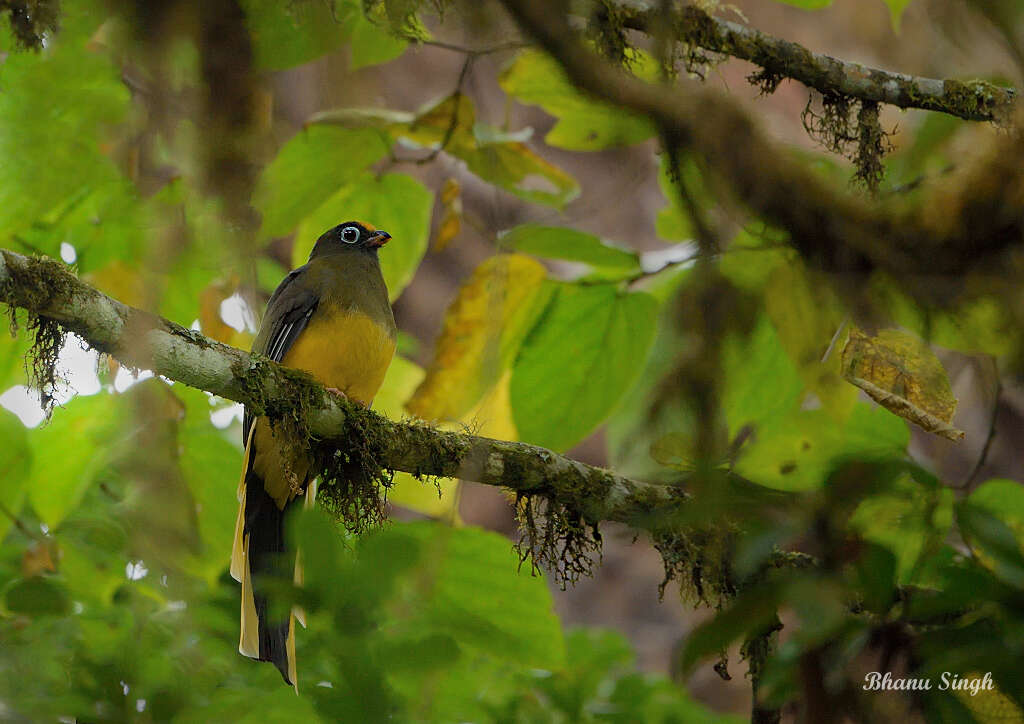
pixel 337 393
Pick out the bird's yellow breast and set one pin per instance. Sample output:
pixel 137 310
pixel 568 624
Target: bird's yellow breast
pixel 346 350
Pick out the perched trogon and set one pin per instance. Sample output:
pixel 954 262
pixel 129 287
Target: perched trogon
pixel 331 318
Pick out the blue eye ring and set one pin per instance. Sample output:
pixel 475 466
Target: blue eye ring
pixel 350 235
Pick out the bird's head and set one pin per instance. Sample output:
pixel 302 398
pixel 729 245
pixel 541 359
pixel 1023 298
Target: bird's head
pixel 351 236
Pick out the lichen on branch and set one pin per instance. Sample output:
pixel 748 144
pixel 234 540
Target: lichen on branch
pixel 974 100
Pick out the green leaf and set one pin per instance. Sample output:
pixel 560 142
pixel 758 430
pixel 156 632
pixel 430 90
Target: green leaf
pixel 515 621
pixel 635 427
pixel 583 124
pixel 396 202
pixel 994 541
pixel 673 221
pixel 761 382
pixel 1004 499
pixel 512 166
pixel 372 44
pixel 211 466
pixel 753 255
pixel 35 596
pixel 582 357
pixel 15 463
pixel 797 451
pixel 55 111
pixel 911 518
pixel 308 170
pixel 563 243
pixel 875 577
pixel 289 34
pixel 982 324
pixel 70 452
pixel 807 316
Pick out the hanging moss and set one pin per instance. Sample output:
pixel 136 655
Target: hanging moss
pixel 558 538
pixel 36 285
pixel 860 140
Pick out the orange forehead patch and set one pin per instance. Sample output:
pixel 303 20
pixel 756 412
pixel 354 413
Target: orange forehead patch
pixel 368 227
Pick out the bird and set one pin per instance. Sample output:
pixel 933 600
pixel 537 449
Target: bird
pixel 332 318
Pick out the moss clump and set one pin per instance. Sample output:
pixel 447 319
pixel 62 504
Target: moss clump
pixel 556 537
pixel 765 80
pixel 698 559
pixel 862 141
pixel 607 31
pixel 37 285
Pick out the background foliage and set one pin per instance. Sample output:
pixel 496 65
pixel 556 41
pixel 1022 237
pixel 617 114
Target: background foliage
pixel 723 368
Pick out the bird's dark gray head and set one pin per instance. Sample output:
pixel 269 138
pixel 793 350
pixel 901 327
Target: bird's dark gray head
pixel 351 236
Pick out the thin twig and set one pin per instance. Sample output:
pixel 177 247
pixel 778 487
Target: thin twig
pixel 472 52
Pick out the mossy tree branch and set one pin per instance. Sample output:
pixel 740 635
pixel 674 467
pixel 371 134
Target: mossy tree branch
pixel 139 339
pixel 970 224
pixel 974 100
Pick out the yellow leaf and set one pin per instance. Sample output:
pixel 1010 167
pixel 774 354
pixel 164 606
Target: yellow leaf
pixel 451 191
pixel 421 496
pixel 492 416
pixel 901 373
pixel 482 331
pixel 401 380
pixel 450 227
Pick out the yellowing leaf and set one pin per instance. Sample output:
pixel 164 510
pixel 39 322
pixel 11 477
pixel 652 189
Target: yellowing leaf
pixel 492 416
pixel 483 329
pixel 500 158
pixel 901 373
pixel 209 310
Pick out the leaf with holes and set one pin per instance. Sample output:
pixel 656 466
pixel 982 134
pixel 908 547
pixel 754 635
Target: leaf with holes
pixel 901 373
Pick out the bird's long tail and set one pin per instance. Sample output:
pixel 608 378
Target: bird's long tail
pixel 258 550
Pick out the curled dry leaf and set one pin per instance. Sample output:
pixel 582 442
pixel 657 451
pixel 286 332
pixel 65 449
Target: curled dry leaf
pixel 902 374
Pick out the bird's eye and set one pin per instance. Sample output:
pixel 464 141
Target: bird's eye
pixel 350 235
